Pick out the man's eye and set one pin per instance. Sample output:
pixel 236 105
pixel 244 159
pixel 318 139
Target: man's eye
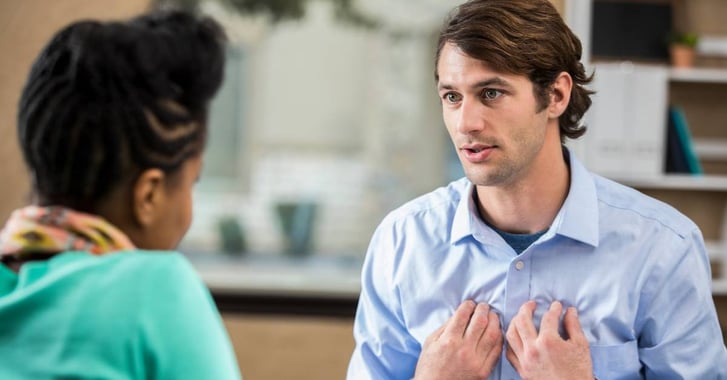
pixel 490 94
pixel 451 97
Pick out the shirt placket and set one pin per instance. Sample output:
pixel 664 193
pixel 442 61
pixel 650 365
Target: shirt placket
pixel 517 292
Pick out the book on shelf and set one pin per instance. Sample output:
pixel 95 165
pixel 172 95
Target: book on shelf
pixel 676 156
pixel 681 156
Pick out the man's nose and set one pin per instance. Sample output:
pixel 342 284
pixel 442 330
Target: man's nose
pixel 471 117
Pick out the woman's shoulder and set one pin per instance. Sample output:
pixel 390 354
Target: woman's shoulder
pixel 133 259
pixel 150 260
pixel 133 268
pixel 153 266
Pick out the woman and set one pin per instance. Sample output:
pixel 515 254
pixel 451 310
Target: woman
pixel 112 126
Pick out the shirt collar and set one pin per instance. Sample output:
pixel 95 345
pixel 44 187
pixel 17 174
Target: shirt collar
pixel 577 218
pixel 462 224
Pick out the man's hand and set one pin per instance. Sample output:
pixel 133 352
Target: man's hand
pixel 467 346
pixel 546 355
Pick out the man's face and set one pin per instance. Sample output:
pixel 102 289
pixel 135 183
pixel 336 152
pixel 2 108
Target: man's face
pixel 493 118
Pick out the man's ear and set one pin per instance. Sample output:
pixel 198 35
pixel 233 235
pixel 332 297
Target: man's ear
pixel 560 95
pixel 148 196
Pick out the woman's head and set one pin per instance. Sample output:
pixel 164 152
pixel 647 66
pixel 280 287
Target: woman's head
pixel 524 37
pixel 114 111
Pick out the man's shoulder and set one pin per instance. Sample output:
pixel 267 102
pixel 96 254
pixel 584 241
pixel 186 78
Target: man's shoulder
pixel 439 203
pixel 618 198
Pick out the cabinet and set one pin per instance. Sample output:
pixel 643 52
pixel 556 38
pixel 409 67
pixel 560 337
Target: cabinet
pixel 290 347
pixel 701 93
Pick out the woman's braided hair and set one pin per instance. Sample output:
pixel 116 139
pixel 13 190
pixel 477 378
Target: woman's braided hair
pixel 104 101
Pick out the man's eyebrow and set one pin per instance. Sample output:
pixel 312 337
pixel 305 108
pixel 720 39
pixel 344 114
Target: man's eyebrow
pixel 496 81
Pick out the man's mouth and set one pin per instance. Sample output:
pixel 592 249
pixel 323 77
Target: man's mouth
pixel 477 152
pixel 476 148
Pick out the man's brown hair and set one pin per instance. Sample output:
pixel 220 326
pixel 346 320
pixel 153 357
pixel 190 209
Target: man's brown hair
pixel 524 37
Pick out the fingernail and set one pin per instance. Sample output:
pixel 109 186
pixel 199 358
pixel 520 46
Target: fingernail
pixel 575 311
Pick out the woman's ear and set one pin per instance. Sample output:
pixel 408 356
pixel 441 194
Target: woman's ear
pixel 560 95
pixel 148 196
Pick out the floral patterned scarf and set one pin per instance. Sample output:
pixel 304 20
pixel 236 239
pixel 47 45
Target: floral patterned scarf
pixel 45 231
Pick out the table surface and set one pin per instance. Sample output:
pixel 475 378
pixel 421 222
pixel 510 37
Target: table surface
pixel 276 274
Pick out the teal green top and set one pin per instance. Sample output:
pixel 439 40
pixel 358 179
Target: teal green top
pixel 126 315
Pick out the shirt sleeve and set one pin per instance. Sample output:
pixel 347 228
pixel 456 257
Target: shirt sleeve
pixel 184 333
pixel 680 333
pixel 384 348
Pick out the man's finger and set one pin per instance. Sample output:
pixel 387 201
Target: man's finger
pixel 491 334
pixel 513 359
pixel 523 322
pixel 551 319
pixel 492 346
pixel 478 322
pixel 573 326
pixel 458 322
pixel 513 339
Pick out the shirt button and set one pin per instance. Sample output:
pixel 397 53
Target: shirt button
pixel 519 265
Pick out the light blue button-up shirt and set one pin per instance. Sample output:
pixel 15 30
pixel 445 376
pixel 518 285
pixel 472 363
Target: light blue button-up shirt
pixel 635 268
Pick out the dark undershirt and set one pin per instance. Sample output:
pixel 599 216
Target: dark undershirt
pixel 518 242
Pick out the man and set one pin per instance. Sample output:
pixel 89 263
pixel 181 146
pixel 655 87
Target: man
pixel 530 267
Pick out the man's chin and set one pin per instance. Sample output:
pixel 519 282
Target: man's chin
pixel 480 178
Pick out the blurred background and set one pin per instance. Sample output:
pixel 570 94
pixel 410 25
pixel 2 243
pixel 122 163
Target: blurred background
pixel 327 120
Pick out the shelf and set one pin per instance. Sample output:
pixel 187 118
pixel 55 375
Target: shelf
pixel 700 75
pixel 677 182
pixel 719 286
pixel 715 249
pixel 711 149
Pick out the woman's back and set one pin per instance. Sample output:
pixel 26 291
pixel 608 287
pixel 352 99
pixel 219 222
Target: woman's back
pixel 130 314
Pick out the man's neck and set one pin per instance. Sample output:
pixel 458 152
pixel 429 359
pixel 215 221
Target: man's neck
pixel 530 204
